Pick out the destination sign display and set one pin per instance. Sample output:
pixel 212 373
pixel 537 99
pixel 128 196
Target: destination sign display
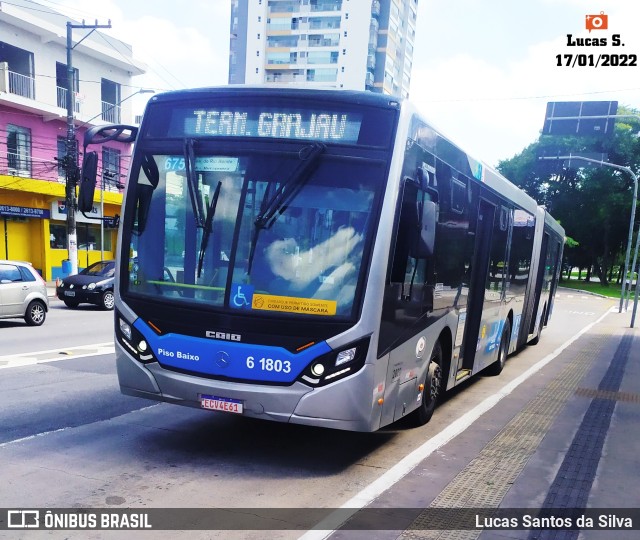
pixel 328 126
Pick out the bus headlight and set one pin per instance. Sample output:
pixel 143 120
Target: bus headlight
pixel 317 369
pixel 125 328
pixel 337 364
pixel 133 341
pixel 345 356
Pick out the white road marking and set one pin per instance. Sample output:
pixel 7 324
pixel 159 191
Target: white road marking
pixel 54 355
pixel 60 430
pixel 412 460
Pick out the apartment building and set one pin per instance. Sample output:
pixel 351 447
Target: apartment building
pixel 349 44
pixel 33 132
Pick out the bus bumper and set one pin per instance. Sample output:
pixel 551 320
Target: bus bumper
pixel 341 406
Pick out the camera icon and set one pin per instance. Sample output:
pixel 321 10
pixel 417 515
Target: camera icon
pixel 597 22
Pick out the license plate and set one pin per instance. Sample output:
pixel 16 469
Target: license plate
pixel 215 403
pixel 69 293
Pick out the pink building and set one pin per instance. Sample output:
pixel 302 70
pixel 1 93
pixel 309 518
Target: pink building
pixel 33 133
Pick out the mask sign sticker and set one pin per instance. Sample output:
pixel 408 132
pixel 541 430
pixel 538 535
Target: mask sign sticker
pixel 291 304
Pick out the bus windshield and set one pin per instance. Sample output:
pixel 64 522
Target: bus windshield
pixel 252 232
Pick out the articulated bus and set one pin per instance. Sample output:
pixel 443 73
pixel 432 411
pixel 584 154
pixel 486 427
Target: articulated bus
pixel 318 257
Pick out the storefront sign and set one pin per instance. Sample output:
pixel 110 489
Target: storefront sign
pixel 23 211
pixel 59 212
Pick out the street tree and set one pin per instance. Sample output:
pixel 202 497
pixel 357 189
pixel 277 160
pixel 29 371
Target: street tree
pixel 592 203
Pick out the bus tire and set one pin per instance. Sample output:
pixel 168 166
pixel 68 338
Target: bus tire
pixel 432 389
pixel 497 367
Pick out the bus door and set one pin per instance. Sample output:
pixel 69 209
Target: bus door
pixel 483 328
pixel 535 315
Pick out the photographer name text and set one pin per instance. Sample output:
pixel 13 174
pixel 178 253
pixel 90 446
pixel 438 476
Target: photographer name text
pixel 604 521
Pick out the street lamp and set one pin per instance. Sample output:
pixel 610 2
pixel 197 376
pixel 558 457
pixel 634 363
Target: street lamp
pixel 631 224
pixel 114 105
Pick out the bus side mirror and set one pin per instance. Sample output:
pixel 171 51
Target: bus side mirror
pixel 425 238
pixel 88 180
pixel 144 191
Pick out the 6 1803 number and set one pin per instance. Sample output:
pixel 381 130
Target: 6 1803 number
pixel 269 364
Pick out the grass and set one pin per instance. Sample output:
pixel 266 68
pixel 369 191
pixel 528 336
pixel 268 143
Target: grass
pixel 613 290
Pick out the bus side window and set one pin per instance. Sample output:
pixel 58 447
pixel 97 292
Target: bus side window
pixel 415 240
pixel 407 223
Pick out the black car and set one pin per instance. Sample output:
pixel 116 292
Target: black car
pixel 94 285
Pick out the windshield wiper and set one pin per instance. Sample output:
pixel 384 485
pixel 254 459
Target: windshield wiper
pixel 208 227
pixel 192 182
pixel 269 212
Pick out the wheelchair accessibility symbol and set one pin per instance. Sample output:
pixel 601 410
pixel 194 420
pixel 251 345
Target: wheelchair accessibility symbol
pixel 241 296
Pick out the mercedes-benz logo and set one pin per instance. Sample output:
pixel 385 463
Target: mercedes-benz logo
pixel 222 359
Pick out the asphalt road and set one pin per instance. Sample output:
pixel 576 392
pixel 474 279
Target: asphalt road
pixel 70 439
pixel 63 328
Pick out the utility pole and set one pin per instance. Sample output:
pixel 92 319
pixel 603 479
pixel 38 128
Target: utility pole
pixel 71 159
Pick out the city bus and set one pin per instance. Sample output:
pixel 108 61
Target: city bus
pixel 318 257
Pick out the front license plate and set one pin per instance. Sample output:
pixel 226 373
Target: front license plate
pixel 69 293
pixel 215 403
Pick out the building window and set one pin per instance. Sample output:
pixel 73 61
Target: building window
pixel 110 169
pixel 21 75
pixel 62 85
pixel 111 96
pixel 57 236
pixel 19 150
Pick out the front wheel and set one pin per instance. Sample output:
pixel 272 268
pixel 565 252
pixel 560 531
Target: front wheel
pixel 497 367
pixel 108 300
pixel 432 389
pixel 36 313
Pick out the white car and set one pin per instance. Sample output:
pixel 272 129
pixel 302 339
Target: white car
pixel 23 293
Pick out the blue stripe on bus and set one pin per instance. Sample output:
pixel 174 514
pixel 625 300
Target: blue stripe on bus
pixel 231 359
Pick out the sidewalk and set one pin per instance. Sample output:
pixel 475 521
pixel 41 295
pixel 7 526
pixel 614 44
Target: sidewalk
pixel 566 444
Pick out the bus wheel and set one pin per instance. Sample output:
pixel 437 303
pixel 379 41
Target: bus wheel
pixel 432 389
pixel 497 367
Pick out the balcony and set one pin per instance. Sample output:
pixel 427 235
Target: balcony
pixel 369 80
pixel 62 99
pixel 327 5
pixel 22 85
pixel 281 78
pixel 111 112
pixel 375 8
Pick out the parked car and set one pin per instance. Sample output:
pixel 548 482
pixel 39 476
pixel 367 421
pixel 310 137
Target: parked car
pixel 23 293
pixel 94 285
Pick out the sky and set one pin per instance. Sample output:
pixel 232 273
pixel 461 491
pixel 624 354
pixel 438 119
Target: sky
pixel 483 70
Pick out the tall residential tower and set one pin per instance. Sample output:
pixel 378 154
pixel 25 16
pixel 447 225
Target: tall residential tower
pixel 350 44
